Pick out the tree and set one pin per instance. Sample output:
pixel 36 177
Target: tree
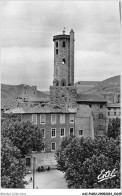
pixel 71 150
pixel 61 154
pixel 92 168
pixel 84 159
pixel 12 167
pixel 23 134
pixel 114 128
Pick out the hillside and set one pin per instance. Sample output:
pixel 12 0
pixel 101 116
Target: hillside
pixel 84 86
pixel 110 85
pixel 13 91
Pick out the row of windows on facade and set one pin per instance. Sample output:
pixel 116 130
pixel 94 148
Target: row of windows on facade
pixel 53 118
pixel 62 134
pixel 114 113
pixel 53 144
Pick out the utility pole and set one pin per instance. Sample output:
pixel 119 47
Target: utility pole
pixel 34 172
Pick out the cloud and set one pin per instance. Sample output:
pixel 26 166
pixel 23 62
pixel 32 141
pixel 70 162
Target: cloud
pixel 108 44
pixel 27 34
pixel 26 39
pixel 96 65
pixel 29 21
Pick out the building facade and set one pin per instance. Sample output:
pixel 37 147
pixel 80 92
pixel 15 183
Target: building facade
pixel 55 123
pixel 94 108
pixel 114 110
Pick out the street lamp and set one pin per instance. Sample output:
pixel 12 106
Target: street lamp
pixel 34 165
pixel 34 158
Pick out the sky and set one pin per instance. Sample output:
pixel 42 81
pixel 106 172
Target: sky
pixel 28 27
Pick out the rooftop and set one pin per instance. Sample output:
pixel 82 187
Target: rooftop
pixel 36 99
pixel 8 103
pixel 42 109
pixel 63 36
pixel 90 98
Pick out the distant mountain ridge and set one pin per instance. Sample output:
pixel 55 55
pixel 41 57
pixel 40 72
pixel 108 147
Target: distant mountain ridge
pixel 13 91
pixel 84 86
pixel 110 85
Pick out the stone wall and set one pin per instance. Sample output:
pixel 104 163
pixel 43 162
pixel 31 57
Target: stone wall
pixel 100 119
pixel 84 121
pixel 63 95
pixel 91 119
pixel 61 70
pixel 29 91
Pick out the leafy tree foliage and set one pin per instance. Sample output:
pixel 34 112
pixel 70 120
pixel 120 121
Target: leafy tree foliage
pixel 114 128
pixel 23 134
pixel 12 167
pixel 91 169
pixel 11 117
pixel 82 160
pixel 61 155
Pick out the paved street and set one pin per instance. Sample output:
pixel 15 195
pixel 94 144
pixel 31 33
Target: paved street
pixel 53 179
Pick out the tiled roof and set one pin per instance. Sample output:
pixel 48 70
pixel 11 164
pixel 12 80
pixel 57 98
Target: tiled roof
pixel 7 103
pixel 90 98
pixel 72 110
pixel 10 104
pixel 15 111
pixel 113 105
pixel 40 109
pixel 50 109
pixel 35 99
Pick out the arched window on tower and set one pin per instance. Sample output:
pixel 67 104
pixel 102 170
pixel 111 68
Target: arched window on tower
pixel 63 82
pixel 55 82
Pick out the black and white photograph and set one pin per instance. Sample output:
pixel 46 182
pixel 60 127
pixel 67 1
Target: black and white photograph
pixel 60 97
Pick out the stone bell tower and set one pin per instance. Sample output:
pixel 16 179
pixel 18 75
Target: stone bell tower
pixel 63 90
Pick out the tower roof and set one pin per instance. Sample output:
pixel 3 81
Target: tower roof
pixel 63 36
